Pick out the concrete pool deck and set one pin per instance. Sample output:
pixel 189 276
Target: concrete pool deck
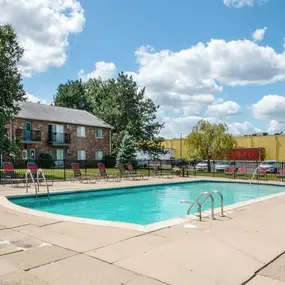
pixel 245 247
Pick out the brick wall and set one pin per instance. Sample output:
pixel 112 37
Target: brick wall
pixel 89 143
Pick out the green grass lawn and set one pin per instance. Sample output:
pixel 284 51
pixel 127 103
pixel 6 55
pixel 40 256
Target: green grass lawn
pixel 60 174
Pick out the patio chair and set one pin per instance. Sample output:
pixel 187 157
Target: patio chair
pixel 132 172
pixel 103 174
pixel 230 171
pixel 126 173
pixel 77 175
pixel 158 173
pixel 34 170
pixel 9 176
pixel 242 171
pixel 281 174
pixel 261 173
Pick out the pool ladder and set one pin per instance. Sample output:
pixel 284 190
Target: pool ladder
pixel 36 185
pixel 200 204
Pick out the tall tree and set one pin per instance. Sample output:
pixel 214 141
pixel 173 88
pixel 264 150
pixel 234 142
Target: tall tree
pixel 209 141
pixel 122 104
pixel 11 87
pixel 72 95
pixel 127 150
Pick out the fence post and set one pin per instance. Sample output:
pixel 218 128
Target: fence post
pixel 160 166
pixel 257 174
pixel 85 167
pixel 64 170
pixel 235 169
pixel 214 168
pixel 195 168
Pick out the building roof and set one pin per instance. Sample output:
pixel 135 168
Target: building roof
pixel 42 112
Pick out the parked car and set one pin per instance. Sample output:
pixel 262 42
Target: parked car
pixel 203 165
pixel 223 165
pixel 269 165
pixel 180 162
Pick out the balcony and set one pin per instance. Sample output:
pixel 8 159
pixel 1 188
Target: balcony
pixel 55 138
pixel 27 136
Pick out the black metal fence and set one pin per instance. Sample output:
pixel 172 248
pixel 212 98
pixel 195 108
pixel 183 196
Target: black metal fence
pixel 61 170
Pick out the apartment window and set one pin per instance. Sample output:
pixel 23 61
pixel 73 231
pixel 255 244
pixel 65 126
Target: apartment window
pixel 81 131
pixel 68 126
pixel 99 155
pixel 81 155
pixel 98 133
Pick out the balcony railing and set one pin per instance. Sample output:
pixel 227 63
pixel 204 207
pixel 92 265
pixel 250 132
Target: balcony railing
pixel 58 138
pixel 28 136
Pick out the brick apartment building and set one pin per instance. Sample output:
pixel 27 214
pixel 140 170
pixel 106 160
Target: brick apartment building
pixel 63 132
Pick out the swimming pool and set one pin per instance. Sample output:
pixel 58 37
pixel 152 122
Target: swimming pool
pixel 145 204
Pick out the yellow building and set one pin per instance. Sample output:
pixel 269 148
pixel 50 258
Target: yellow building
pixel 274 146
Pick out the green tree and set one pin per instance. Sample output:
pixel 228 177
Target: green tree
pixel 11 87
pixel 209 141
pixel 127 150
pixel 120 103
pixel 73 95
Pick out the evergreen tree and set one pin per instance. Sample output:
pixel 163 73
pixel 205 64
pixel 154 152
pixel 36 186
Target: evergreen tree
pixel 127 151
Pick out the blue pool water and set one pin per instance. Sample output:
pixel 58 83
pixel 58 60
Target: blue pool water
pixel 143 205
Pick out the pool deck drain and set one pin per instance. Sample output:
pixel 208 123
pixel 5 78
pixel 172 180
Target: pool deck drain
pixel 225 251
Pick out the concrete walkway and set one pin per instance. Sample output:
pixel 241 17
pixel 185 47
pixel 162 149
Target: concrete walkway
pixel 239 249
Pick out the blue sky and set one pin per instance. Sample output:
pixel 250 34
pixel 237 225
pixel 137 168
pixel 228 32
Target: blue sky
pixel 222 60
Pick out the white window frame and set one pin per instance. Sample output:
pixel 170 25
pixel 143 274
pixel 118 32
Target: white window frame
pixel 96 154
pixel 102 135
pixel 80 155
pixel 81 131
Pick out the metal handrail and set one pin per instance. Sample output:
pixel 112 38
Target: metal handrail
pixel 193 203
pixel 208 195
pixel 254 173
pixel 199 204
pixel 222 201
pixel 40 171
pixel 29 172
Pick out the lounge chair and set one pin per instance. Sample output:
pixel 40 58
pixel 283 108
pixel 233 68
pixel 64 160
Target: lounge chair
pixel 126 173
pixel 261 173
pixel 158 173
pixel 281 174
pixel 230 171
pixel 9 176
pixel 77 175
pixel 34 170
pixel 242 171
pixel 132 172
pixel 103 174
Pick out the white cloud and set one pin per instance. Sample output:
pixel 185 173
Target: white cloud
pixel 227 108
pixel 104 70
pixel 244 128
pixel 270 107
pixel 258 35
pixel 243 3
pixel 275 126
pixel 43 29
pixel 33 99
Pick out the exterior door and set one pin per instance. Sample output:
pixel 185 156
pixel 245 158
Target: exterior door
pixel 28 131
